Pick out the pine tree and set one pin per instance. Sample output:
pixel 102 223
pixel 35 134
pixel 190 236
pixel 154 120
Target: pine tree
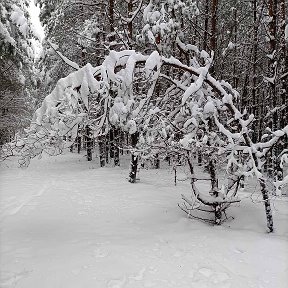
pixel 16 68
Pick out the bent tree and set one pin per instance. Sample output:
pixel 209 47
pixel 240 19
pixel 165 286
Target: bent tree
pixel 163 104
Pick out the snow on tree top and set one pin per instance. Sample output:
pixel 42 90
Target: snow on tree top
pixel 18 17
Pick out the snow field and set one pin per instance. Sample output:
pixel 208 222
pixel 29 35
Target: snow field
pixel 66 222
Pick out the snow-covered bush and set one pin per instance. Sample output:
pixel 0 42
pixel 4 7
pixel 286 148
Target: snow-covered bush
pixel 163 23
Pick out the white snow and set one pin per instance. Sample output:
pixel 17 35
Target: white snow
pixel 36 26
pixel 66 223
pixel 6 35
pixel 18 17
pixel 209 107
pixel 269 79
pixel 195 86
pixel 153 60
pixel 131 126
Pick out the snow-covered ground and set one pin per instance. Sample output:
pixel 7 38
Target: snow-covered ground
pixel 67 223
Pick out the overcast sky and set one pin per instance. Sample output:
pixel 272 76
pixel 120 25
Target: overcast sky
pixel 34 13
pixel 37 27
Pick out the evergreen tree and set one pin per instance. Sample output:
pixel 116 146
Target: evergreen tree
pixel 17 78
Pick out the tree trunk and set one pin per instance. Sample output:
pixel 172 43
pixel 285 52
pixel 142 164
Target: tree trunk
pixel 89 143
pixel 111 16
pixel 78 144
pixel 254 73
pixel 102 152
pixel 84 141
pixel 213 39
pixel 134 159
pixel 106 147
pixel 78 140
pixel 116 146
pixel 111 143
pixel 272 9
pixel 212 172
pixel 283 66
pixel 206 23
pixel 199 158
pixel 72 145
pixel 218 214
pixel 130 27
pixel 235 62
pixel 282 114
pixel 268 211
pixel 214 6
pixel 157 161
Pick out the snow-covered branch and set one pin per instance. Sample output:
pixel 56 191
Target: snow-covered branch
pixel 65 59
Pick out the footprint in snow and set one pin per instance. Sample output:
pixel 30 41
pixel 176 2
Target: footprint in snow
pixel 100 253
pixel 214 276
pixel 149 284
pixel 220 277
pixel 81 213
pixel 191 274
pixel 76 271
pixel 10 279
pixel 239 251
pixel 206 272
pixel 139 276
pixel 178 254
pixel 116 283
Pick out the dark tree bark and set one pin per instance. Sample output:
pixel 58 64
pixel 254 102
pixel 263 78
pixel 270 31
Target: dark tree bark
pixel 114 143
pixel 283 77
pixel 272 6
pixel 283 73
pixel 199 154
pixel 206 23
pixel 235 62
pixel 106 147
pixel 89 143
pixel 212 172
pixel 79 144
pixel 157 161
pixel 254 68
pixel 102 150
pixel 272 91
pixel 268 211
pixel 116 147
pixel 111 16
pixel 111 142
pixel 134 159
pixel 213 39
pixel 72 146
pixel 130 27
